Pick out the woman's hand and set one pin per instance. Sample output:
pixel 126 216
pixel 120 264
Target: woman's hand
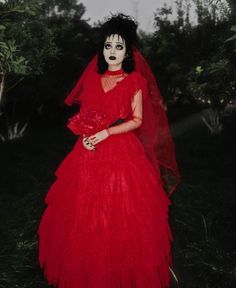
pixel 99 136
pixel 87 144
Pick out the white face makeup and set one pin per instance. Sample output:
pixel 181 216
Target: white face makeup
pixel 114 51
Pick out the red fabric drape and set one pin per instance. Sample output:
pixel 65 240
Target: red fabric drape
pixel 154 131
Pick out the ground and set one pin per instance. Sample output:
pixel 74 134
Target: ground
pixel 200 214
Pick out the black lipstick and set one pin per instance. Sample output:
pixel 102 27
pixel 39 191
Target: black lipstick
pixel 112 58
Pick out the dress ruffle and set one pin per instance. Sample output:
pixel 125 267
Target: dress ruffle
pixel 106 221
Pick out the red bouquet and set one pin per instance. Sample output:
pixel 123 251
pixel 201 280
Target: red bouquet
pixel 87 122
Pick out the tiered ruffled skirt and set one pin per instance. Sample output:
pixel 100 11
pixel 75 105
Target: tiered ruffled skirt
pixel 106 223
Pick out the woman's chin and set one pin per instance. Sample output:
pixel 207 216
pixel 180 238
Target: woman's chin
pixel 114 66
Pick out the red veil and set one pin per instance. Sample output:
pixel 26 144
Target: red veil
pixel 154 131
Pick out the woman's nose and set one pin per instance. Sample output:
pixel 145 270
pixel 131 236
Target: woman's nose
pixel 113 50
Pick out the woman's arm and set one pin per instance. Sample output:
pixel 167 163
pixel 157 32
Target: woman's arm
pixel 130 125
pixel 133 123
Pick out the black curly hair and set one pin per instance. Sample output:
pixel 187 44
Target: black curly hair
pixel 125 27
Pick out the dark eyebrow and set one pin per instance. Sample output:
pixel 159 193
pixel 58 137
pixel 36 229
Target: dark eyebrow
pixel 116 42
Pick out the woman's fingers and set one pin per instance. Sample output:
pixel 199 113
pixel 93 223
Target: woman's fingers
pixel 88 144
pixel 93 137
pixel 95 141
pixel 98 137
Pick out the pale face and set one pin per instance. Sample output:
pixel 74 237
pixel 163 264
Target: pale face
pixel 114 51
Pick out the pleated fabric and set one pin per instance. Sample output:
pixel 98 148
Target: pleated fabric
pixel 106 220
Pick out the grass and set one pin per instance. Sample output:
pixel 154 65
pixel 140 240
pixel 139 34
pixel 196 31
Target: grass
pixel 203 207
pixel 27 167
pixel 201 214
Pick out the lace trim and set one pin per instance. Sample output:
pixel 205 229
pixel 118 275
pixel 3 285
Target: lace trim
pixel 109 81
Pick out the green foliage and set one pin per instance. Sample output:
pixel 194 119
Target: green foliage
pixel 194 63
pixel 69 9
pixel 232 5
pixel 212 10
pixel 10 61
pixel 29 42
pixel 29 33
pixel 44 45
pixel 232 39
pixel 214 83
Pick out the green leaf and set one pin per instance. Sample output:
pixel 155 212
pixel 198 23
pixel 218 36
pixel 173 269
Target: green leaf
pixel 233 28
pixel 199 69
pixel 231 38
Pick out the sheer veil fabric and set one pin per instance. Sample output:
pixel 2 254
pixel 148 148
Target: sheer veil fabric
pixel 154 132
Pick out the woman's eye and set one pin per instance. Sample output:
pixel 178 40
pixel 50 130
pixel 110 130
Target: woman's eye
pixel 119 47
pixel 107 46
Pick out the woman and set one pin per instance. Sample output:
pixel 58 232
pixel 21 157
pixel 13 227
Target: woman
pixel 106 223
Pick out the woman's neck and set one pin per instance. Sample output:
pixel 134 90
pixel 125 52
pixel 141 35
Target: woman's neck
pixel 114 67
pixel 115 72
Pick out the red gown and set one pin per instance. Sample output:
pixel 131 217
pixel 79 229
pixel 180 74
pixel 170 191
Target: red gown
pixel 106 221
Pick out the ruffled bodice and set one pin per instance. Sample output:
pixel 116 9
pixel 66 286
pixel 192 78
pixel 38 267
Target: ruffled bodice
pixel 154 133
pixel 106 101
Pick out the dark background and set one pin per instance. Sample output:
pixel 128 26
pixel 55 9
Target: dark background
pixel 42 54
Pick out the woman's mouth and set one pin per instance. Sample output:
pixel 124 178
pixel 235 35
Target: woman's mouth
pixel 112 58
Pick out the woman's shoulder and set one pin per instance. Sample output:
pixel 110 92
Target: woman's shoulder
pixel 138 80
pixel 137 75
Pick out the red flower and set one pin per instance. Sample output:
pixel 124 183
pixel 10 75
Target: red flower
pixel 87 122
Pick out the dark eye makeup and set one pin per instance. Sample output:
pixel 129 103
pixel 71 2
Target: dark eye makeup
pixel 118 46
pixel 107 46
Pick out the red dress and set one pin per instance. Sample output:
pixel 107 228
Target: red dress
pixel 106 221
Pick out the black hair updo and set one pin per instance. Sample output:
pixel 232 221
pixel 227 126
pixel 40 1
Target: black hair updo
pixel 124 26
